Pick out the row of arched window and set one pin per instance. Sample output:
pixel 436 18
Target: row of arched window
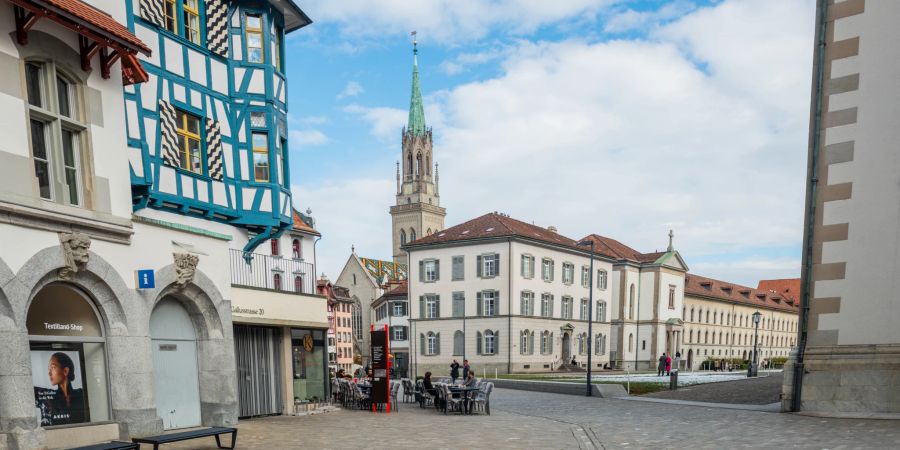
pixel 296 249
pixel 736 339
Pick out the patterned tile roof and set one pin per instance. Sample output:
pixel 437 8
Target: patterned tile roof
pixel 723 290
pixel 384 271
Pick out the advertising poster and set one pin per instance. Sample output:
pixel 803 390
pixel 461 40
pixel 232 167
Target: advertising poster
pixel 59 394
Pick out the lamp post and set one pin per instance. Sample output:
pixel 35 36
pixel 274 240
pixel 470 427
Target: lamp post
pixel 751 370
pixel 590 314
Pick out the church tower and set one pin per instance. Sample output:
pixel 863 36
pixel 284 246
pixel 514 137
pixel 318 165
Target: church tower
pixel 417 212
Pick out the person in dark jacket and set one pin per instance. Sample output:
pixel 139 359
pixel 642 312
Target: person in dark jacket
pixel 661 367
pixel 465 369
pixel 454 371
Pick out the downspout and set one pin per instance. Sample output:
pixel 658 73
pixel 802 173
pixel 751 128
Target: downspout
pixel 314 263
pixel 637 322
pixel 269 233
pixel 811 188
pixel 509 335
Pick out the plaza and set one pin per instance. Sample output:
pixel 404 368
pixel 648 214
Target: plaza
pixel 521 419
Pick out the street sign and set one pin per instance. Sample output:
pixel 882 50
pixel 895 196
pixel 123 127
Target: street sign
pixel 381 381
pixel 145 279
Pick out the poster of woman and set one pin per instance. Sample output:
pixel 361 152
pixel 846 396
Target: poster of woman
pixel 59 394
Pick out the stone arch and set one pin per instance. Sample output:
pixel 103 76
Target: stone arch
pixel 7 316
pixel 200 298
pixel 99 280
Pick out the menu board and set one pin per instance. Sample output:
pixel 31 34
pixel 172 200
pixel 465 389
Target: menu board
pixel 380 366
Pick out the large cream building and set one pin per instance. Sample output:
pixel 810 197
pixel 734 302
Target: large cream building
pixel 514 297
pixel 849 348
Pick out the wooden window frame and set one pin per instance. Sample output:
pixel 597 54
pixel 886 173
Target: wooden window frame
pixel 184 152
pixel 248 30
pixel 261 151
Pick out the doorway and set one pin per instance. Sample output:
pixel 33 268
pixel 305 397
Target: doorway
pixel 175 373
pixel 566 347
pixel 690 359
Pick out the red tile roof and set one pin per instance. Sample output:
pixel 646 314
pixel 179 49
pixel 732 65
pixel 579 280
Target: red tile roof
pixel 723 290
pixel 495 225
pixel 613 248
pixel 399 289
pixel 301 225
pixel 101 22
pixel 788 287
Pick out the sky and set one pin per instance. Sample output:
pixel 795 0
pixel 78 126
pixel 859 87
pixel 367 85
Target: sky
pixel 616 117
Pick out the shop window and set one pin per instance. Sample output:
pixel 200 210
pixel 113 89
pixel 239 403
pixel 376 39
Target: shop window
pixel 68 364
pixel 309 364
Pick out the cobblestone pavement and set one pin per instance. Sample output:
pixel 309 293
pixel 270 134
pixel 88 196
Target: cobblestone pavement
pixel 525 420
pixel 749 391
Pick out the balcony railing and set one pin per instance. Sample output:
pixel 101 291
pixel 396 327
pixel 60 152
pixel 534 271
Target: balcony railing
pixel 272 273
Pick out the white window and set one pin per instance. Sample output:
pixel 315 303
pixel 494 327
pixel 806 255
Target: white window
pixel 568 273
pixel 399 333
pixel 601 311
pixel 567 307
pixel 431 307
pixel 584 310
pixel 527 306
pixel 489 265
pixel 585 276
pixel 527 266
pixel 489 343
pixel 547 269
pixel 601 279
pixel 399 309
pixel 489 299
pixel 431 342
pixel 546 305
pixel 55 128
pixel 430 270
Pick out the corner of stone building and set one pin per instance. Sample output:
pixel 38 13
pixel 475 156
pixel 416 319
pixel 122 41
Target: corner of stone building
pixel 787 383
pixel 23 439
pixel 138 423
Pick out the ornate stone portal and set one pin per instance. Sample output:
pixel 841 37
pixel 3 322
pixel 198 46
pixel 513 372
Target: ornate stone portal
pixel 76 252
pixel 185 266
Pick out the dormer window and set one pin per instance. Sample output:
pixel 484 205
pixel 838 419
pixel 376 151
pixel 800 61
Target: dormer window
pixel 745 293
pixel 726 289
pixel 706 284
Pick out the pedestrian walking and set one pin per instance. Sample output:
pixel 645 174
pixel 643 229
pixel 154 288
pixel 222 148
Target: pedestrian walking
pixel 661 367
pixel 668 365
pixel 454 371
pixel 465 369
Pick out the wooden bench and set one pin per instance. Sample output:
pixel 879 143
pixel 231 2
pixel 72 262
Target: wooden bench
pixel 114 445
pixel 156 441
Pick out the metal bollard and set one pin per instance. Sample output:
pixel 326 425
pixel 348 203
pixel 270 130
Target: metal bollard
pixel 673 380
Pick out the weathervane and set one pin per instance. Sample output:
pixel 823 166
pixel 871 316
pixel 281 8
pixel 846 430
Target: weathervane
pixel 413 35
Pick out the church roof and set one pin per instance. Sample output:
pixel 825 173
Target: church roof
pixel 416 123
pixel 384 271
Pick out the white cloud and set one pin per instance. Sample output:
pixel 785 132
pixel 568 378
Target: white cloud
pixel 351 90
pixel 386 122
pixel 307 120
pixel 346 213
pixel 464 60
pixel 631 20
pixel 306 138
pixel 447 20
pixel 701 128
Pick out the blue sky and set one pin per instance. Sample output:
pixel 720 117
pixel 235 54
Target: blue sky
pixel 623 118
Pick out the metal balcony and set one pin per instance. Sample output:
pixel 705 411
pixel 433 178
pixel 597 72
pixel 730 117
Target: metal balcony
pixel 271 273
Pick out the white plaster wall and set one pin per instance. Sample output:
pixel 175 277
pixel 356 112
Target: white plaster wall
pixel 870 305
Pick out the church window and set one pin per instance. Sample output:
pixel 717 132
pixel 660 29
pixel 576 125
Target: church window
pixel 409 164
pixel 428 165
pixel 402 237
pixel 254 38
pixel 412 234
pixel 188 129
pixel 261 157
pixel 276 282
pixel 671 297
pixel 419 165
pixel 298 284
pixel 631 302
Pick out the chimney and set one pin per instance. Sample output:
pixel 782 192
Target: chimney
pixel 552 229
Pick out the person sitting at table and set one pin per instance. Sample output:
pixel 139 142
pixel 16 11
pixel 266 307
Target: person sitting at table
pixel 470 381
pixel 429 388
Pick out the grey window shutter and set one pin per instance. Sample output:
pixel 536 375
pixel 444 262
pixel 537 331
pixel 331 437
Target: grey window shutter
pixel 478 268
pixel 421 343
pixel 421 271
pixel 496 342
pixel 217 27
pixel 479 301
pixel 437 306
pixel 496 264
pixel 522 266
pixel 437 269
pixel 437 344
pixel 522 343
pixel 497 303
pixel 552 269
pixel 478 343
pixel 152 11
pixel 421 306
pixel 531 344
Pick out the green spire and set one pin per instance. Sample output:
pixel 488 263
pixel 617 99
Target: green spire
pixel 416 124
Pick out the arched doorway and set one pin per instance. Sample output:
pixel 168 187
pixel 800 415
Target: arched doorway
pixel 175 374
pixel 690 359
pixel 566 347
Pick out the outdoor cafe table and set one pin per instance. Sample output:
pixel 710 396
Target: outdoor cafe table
pixel 465 392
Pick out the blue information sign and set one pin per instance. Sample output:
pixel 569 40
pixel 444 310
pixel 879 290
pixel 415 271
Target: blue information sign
pixel 145 279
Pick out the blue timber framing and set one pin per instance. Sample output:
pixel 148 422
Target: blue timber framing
pixel 223 90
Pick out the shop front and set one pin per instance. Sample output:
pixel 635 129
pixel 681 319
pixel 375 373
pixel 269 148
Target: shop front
pixel 280 347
